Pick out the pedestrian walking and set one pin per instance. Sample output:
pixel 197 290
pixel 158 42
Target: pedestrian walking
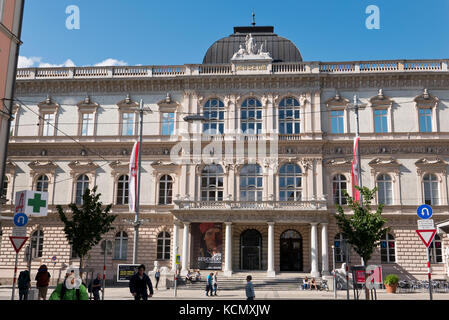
pixel 139 283
pixel 24 284
pixel 250 295
pixel 215 283
pixel 96 287
pixel 157 276
pixel 209 287
pixel 42 281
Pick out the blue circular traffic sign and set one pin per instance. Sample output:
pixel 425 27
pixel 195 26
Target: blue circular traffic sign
pixel 20 219
pixel 424 211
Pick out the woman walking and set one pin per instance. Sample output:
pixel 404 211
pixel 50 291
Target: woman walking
pixel 214 284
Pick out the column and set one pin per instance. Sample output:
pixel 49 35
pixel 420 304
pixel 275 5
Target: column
pixel 270 269
pixel 314 250
pixel 228 250
pixel 175 246
pixel 324 251
pixel 185 248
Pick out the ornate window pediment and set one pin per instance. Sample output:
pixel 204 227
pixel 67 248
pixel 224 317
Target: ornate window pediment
pixel 128 104
pixel 48 106
pixel 380 100
pixel 337 102
pixel 85 167
pixel 10 167
pixel 161 168
pixel 87 105
pixel 119 168
pixel 338 164
pixel 168 104
pixel 426 100
pixel 38 167
pixel 435 165
pixel 385 165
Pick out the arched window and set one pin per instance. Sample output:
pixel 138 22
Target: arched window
pixel 384 189
pixel 37 243
pixel 82 183
pixel 121 245
pixel 387 249
pixel 213 111
pixel 42 183
pixel 290 182
pixel 339 185
pixel 212 183
pixel 122 189
pixel 251 183
pixel 251 116
pixel 165 189
pixel 431 196
pixel 163 246
pixel 340 249
pixel 289 116
pixel 435 250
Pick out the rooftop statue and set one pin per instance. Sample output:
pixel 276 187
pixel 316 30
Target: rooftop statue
pixel 250 51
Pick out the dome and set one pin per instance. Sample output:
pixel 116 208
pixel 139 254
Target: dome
pixel 281 49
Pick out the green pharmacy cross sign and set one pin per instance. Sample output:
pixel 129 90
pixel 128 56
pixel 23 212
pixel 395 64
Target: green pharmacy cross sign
pixel 31 203
pixel 37 203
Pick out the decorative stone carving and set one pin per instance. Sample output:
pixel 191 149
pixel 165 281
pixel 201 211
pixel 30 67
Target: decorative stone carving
pixel 251 51
pixel 435 165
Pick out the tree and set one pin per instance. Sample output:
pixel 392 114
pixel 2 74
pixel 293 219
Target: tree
pixel 363 229
pixel 88 223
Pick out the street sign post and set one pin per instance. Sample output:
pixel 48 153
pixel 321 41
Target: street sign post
pixel 424 211
pixel 17 243
pixel 426 232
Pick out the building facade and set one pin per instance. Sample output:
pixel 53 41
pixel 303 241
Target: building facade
pixel 274 159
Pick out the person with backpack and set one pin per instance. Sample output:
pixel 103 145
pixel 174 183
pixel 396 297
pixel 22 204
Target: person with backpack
pixel 24 284
pixel 138 284
pixel 42 281
pixel 70 289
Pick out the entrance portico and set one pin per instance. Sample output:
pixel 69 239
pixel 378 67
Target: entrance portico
pixel 258 240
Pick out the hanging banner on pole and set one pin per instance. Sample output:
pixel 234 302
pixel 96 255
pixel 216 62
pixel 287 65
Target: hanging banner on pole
pixel 426 236
pixel 355 170
pixel 133 167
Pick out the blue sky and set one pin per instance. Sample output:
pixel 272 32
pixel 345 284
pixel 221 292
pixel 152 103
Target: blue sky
pixel 172 32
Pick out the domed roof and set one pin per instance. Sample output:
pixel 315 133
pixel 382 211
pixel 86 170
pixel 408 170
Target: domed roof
pixel 281 49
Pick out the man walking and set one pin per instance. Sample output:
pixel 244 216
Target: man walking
pixel 157 276
pixel 214 283
pixel 209 284
pixel 138 284
pixel 249 289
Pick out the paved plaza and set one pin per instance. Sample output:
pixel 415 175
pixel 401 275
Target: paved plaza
pixel 122 293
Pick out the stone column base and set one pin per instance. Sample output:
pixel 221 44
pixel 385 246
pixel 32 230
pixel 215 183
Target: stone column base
pixel 315 274
pixel 227 273
pixel 271 274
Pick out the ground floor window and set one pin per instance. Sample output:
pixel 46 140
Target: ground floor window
pixel 435 250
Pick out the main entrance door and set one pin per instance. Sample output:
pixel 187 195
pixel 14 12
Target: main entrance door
pixel 291 251
pixel 251 248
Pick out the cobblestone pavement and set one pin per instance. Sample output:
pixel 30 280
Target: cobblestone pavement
pixel 164 294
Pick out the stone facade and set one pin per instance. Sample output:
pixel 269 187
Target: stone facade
pixel 404 152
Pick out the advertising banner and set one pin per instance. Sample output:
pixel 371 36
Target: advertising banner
pixel 126 271
pixel 207 239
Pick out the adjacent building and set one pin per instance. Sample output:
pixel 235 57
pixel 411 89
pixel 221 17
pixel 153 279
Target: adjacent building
pixel 276 147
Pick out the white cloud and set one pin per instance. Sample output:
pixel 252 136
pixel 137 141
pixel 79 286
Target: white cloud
pixel 67 63
pixel 111 62
pixel 25 62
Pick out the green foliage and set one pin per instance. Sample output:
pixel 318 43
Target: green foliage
pixel 88 223
pixel 391 279
pixel 363 229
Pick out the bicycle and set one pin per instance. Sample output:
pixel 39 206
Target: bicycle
pixel 324 286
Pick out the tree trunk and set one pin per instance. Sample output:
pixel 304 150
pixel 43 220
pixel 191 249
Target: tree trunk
pixel 367 295
pixel 81 266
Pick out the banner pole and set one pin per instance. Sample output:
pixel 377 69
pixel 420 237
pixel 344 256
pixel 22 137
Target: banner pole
pixel 15 276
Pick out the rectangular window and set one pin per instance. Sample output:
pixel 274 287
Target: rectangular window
pixel 168 123
pixel 48 128
pixel 425 120
pixel 12 128
pixel 87 128
pixel 380 121
pixel 127 124
pixel 337 122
